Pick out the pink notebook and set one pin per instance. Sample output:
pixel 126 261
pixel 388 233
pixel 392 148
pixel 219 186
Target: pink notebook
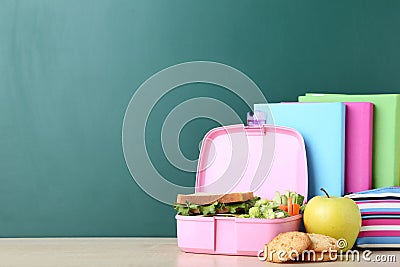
pixel 358 165
pixel 358 149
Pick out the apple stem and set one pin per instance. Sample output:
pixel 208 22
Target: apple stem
pixel 326 193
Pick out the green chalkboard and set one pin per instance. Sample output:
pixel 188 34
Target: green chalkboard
pixel 68 70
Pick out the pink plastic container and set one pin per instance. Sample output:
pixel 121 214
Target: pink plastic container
pixel 240 159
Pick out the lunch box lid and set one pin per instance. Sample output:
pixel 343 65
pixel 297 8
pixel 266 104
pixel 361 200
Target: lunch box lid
pixel 263 159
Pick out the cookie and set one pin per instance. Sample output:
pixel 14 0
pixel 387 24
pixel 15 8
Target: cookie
pixel 320 243
pixel 287 246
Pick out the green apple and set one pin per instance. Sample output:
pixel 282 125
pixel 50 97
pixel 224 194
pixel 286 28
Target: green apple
pixel 338 217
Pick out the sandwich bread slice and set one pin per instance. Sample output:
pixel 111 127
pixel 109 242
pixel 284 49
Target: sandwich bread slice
pixel 206 199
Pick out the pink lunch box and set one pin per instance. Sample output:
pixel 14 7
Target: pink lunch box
pixel 239 159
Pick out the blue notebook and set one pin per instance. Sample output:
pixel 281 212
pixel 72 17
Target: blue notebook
pixel 322 126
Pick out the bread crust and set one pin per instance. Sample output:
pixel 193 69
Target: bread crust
pixel 206 199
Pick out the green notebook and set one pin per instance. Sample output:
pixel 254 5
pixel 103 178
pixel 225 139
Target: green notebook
pixel 386 134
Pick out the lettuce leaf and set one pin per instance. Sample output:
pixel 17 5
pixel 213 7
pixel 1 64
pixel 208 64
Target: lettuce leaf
pixel 188 208
pixel 209 209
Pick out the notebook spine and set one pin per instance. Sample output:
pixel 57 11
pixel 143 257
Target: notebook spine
pixel 370 141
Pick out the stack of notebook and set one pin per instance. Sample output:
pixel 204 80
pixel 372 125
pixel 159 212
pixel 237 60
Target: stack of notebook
pixel 380 212
pixel 386 134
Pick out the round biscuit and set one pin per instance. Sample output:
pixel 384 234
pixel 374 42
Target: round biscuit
pixel 320 243
pixel 287 246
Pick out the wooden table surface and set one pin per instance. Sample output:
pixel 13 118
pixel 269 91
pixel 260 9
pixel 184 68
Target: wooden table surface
pixel 161 252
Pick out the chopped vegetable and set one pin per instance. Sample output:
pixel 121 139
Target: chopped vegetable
pixel 278 207
pixel 281 214
pixel 255 212
pixel 283 207
pixel 277 198
pixel 296 209
pixel 261 202
pixel 290 206
pixel 302 207
pixel 284 200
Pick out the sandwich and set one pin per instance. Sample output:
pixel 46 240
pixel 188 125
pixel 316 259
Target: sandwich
pixel 212 204
pixel 242 205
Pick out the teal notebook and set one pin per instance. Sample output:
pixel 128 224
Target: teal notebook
pixel 386 133
pixel 322 126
